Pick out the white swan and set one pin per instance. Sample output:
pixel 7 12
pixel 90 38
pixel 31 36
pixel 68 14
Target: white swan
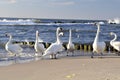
pixel 13 49
pixel 115 44
pixel 98 46
pixel 70 45
pixel 39 47
pixel 56 47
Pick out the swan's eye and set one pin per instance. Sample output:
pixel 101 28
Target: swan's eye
pixel 61 29
pixel 6 34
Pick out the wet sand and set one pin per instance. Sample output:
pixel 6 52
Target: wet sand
pixel 72 68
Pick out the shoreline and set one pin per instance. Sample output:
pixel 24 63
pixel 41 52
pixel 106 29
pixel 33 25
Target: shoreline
pixel 77 55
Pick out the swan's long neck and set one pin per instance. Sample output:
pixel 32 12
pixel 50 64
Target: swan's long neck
pixel 10 38
pixel 36 36
pixel 97 35
pixel 70 36
pixel 57 35
pixel 114 37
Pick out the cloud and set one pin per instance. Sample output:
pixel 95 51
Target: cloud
pixel 63 3
pixel 12 1
pixel 8 1
pixel 89 0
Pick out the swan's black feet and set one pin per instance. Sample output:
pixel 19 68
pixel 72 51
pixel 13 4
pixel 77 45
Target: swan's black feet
pixel 101 55
pixel 118 53
pixel 72 53
pixel 53 56
pixel 92 55
pixel 58 52
pixel 67 53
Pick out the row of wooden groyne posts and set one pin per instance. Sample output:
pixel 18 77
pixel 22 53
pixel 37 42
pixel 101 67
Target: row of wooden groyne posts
pixel 78 46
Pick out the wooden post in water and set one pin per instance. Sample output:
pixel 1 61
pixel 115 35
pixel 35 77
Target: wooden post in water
pixel 90 47
pixel 85 47
pixel 81 47
pixel 47 45
pixel 77 46
pixel 65 46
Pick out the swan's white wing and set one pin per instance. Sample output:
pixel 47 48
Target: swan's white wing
pixel 99 47
pixel 54 48
pixel 15 48
pixel 50 49
pixel 41 47
pixel 102 45
pixel 70 46
pixel 116 43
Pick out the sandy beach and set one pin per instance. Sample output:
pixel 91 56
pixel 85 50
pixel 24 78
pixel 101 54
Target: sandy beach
pixel 64 69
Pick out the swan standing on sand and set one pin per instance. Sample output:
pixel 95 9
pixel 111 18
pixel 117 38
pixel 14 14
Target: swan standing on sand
pixel 39 47
pixel 13 49
pixel 98 46
pixel 70 45
pixel 56 47
pixel 115 44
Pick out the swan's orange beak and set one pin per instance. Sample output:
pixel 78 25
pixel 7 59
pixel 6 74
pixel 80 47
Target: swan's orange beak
pixel 111 33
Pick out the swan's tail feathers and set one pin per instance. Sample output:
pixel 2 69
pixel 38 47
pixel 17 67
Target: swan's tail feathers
pixel 38 54
pixel 11 54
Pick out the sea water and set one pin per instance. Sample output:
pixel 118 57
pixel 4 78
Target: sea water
pixel 81 33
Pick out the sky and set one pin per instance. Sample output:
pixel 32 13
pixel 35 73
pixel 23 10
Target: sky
pixel 61 9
